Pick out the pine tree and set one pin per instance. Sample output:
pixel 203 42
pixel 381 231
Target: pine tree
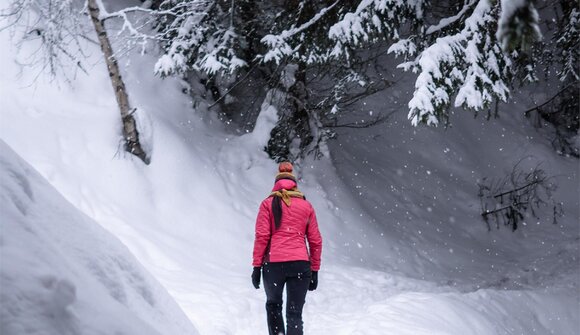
pixel 282 43
pixel 465 53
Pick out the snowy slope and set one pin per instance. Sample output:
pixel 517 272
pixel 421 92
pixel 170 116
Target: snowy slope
pixel 189 216
pixel 63 274
pixel 418 185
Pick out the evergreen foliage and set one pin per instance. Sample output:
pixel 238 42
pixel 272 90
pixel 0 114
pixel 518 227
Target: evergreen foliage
pixel 469 64
pixel 568 42
pixel 465 54
pixel 198 35
pixel 321 57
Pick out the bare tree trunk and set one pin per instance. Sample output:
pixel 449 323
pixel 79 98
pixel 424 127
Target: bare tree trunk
pixel 130 133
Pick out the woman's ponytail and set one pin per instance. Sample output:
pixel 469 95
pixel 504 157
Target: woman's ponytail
pixel 277 211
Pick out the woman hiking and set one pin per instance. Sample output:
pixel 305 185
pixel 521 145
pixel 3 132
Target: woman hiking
pixel 285 221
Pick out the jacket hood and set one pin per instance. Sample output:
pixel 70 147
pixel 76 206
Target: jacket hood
pixel 285 184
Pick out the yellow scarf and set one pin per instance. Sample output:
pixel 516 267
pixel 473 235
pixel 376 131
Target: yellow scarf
pixel 287 195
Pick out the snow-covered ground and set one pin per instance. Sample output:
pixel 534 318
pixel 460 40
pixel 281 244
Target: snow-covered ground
pixel 420 186
pixel 405 251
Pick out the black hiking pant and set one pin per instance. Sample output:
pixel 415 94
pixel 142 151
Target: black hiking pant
pixel 295 276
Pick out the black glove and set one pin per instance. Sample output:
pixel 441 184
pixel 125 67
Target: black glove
pixel 313 281
pixel 256 277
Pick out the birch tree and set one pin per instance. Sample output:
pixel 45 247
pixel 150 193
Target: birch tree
pixel 60 27
pixel 130 133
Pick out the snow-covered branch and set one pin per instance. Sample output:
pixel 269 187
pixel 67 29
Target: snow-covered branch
pixel 279 46
pixel 123 12
pixel 55 26
pixel 446 22
pixel 223 56
pixel 138 25
pixel 194 43
pixel 370 21
pixel 569 42
pixel 518 26
pixel 470 65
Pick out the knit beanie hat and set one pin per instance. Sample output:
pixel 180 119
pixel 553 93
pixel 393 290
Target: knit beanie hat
pixel 285 171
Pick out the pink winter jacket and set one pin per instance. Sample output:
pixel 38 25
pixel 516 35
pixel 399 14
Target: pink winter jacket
pixel 288 243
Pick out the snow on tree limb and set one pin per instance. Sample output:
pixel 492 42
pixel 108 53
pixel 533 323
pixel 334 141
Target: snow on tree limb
pixel 569 42
pixel 135 9
pixel 278 44
pixel 372 18
pixel 445 22
pixel 55 26
pixel 518 25
pixel 222 57
pixel 469 64
pixel 191 41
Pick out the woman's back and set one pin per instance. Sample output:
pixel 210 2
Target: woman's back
pixel 288 242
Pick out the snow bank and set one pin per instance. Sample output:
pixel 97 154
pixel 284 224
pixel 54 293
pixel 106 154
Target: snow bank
pixel 61 273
